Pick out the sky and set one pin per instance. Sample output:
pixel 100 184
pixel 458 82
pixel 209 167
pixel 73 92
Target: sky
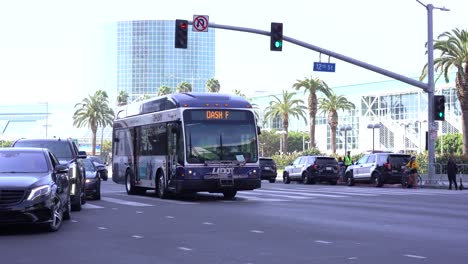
pixel 50 50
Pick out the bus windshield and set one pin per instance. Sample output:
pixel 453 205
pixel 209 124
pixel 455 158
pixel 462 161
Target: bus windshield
pixel 212 136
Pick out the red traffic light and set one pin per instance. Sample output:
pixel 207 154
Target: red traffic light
pixel 183 25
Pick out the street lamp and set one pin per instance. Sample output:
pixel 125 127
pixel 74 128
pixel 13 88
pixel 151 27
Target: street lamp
pixel 345 129
pixel 282 132
pixel 373 126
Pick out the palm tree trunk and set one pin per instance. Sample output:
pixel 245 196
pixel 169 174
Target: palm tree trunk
pixel 94 131
pixel 285 134
pixel 461 83
pixel 312 101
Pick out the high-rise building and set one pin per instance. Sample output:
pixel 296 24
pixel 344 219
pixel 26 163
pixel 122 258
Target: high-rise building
pixel 143 58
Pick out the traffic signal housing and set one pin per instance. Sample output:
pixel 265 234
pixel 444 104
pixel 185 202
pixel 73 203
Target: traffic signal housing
pixel 276 37
pixel 439 107
pixel 181 31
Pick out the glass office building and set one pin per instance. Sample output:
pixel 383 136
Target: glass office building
pixel 143 58
pixel 399 110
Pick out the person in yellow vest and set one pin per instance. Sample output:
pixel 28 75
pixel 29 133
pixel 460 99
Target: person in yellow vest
pixel 413 167
pixel 347 162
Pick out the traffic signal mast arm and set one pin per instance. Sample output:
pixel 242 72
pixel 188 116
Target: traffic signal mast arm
pixel 365 65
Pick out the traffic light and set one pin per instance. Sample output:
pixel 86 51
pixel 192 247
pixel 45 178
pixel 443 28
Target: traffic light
pixel 276 37
pixel 439 107
pixel 181 30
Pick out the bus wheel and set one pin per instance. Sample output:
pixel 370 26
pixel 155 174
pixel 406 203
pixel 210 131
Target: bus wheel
pixel 131 190
pixel 161 190
pixel 229 194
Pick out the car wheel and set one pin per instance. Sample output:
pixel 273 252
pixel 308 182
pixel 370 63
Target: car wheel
pixel 97 196
pixel 272 180
pixel 377 180
pixel 67 213
pixel 161 190
pixel 77 202
pixel 229 194
pixel 305 178
pixel 349 179
pixel 129 187
pixel 286 178
pixel 57 217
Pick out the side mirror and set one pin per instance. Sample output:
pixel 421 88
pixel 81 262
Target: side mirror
pixel 82 154
pixel 259 131
pixel 61 169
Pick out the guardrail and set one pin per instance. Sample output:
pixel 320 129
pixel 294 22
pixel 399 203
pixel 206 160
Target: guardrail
pixel 440 176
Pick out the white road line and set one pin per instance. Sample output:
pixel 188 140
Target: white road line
pixel 159 200
pixel 124 202
pixel 185 248
pixel 208 223
pixel 255 199
pixel 415 256
pixel 257 231
pixel 169 217
pixel 322 242
pixel 257 193
pixel 300 193
pixel 137 236
pixel 91 206
pixel 102 228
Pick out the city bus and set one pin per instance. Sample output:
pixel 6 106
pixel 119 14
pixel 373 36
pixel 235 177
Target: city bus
pixel 186 143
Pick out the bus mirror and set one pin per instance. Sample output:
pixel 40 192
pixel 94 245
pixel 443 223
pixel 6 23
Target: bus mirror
pixel 259 131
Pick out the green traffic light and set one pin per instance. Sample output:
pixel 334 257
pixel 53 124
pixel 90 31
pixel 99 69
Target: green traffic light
pixel 441 114
pixel 278 44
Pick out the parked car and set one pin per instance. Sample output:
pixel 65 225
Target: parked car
pixel 268 169
pixel 378 169
pixel 93 179
pixel 34 188
pixel 67 153
pixel 100 166
pixel 312 169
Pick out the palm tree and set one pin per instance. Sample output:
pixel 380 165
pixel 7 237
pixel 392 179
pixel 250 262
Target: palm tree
pixel 312 86
pixel 164 89
pixel 142 97
pixel 212 86
pixel 454 54
pixel 184 87
pixel 238 92
pixel 283 108
pixel 94 112
pixel 122 98
pixel 331 104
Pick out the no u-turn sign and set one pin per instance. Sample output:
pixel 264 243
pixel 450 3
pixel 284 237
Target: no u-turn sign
pixel 200 23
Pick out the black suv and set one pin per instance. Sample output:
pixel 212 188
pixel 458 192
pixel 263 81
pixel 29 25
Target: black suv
pixel 378 169
pixel 268 169
pixel 67 153
pixel 312 169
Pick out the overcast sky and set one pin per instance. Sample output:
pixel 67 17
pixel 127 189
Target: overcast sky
pixel 49 48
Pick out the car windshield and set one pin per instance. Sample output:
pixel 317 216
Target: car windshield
pixel 21 162
pixel 88 165
pixel 61 149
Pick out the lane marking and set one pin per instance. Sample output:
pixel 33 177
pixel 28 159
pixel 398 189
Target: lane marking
pixel 74 221
pixel 159 200
pixel 91 206
pixel 415 256
pixel 322 242
pixel 169 217
pixel 257 231
pixel 139 212
pixel 207 223
pixel 102 228
pixel 137 236
pixel 256 194
pixel 185 248
pixel 302 194
pixel 124 202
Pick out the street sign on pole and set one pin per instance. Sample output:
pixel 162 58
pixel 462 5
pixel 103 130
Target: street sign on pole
pixel 200 23
pixel 324 66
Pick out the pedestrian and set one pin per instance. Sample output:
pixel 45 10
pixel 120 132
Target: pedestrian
pixel 413 167
pixel 347 162
pixel 452 173
pixel 341 169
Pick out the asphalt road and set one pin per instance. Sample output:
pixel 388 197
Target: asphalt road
pixel 278 223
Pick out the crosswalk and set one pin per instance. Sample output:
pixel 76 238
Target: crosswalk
pixel 271 194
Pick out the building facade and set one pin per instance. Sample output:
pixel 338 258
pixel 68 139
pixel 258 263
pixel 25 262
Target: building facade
pixel 389 116
pixel 143 58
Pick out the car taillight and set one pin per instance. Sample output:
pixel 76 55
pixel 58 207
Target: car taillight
pixel 388 166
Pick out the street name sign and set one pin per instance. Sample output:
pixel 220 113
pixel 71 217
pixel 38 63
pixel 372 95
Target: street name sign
pixel 324 66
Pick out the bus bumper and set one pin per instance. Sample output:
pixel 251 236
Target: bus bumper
pixel 215 185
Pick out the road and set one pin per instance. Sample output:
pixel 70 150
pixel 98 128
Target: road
pixel 278 223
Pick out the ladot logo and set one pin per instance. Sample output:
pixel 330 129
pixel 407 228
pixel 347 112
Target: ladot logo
pixel 223 171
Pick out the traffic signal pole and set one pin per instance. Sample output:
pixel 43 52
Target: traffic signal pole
pixel 427 87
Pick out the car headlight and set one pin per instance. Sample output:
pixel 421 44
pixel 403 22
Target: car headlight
pixel 39 192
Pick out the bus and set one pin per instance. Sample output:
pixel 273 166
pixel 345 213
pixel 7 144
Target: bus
pixel 186 143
